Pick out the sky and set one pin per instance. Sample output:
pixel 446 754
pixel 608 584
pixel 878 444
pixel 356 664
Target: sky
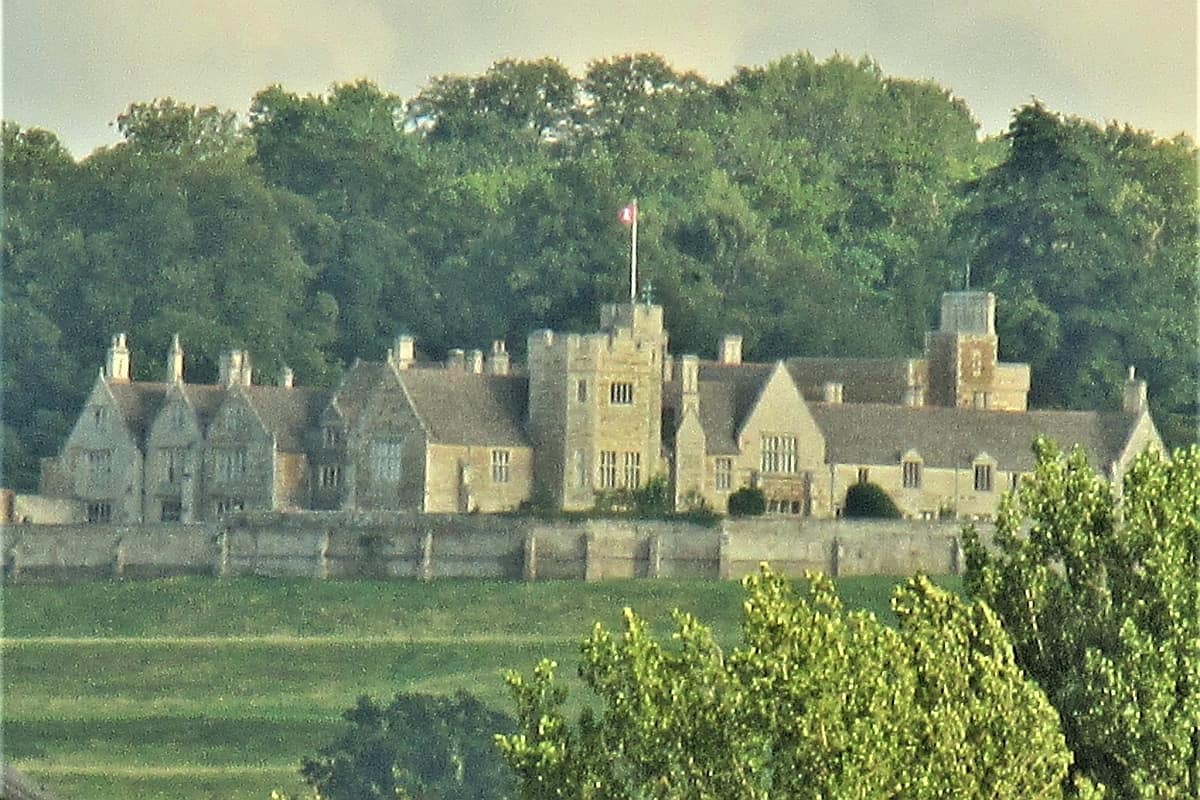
pixel 72 66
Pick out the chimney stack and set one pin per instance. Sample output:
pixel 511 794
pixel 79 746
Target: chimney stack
pixel 475 362
pixel 116 366
pixel 287 378
pixel 731 349
pixel 403 353
pixel 234 368
pixel 914 396
pixel 832 392
pixel 689 382
pixel 498 362
pixel 175 361
pixel 1134 400
pixel 456 359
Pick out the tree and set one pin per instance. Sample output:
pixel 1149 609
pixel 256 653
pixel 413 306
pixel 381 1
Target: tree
pixel 1100 593
pixel 419 746
pixel 1089 237
pixel 870 500
pixel 815 702
pixel 747 501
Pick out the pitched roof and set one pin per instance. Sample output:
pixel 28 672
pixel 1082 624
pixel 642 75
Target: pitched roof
pixel 728 393
pixel 872 433
pixel 350 398
pixel 138 403
pixel 205 399
pixel 465 408
pixel 864 380
pixel 287 412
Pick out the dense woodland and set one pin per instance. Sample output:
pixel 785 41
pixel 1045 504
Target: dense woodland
pixel 817 208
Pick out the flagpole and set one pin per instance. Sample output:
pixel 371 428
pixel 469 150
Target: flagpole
pixel 633 255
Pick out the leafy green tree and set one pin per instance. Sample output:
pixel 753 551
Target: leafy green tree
pixel 1090 238
pixel 419 747
pixel 814 702
pixel 870 500
pixel 748 501
pixel 1100 593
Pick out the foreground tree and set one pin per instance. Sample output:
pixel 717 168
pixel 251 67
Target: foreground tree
pixel 815 702
pixel 1101 596
pixel 418 746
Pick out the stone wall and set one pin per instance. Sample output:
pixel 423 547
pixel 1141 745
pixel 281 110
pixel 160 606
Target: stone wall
pixel 429 547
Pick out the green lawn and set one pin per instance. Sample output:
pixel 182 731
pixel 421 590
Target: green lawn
pixel 199 688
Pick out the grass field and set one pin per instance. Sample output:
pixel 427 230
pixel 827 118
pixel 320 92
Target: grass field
pixel 213 690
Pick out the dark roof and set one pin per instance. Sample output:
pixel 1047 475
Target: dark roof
pixel 465 408
pixel 728 393
pixel 138 403
pixel 288 413
pixel 350 398
pixel 205 399
pixel 871 433
pixel 864 380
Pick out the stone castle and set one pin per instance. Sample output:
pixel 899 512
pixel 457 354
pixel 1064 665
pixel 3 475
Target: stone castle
pixel 945 434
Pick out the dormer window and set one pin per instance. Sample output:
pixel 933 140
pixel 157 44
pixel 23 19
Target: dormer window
pixel 332 436
pixel 99 415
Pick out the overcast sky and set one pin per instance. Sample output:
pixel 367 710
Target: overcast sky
pixel 73 65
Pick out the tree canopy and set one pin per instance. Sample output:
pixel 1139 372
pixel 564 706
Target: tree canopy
pixel 815 207
pixel 813 702
pixel 1100 593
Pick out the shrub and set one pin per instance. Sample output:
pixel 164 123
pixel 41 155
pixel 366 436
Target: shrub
pixel 748 501
pixel 870 500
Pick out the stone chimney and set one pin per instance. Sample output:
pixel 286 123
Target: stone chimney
pixel 1134 400
pixel 175 361
pixel 287 378
pixel 234 368
pixel 731 349
pixel 914 396
pixel 116 363
pixel 832 392
pixel 475 362
pixel 498 362
pixel 404 352
pixel 689 382
pixel 456 359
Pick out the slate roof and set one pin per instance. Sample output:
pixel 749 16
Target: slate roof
pixel 205 399
pixel 728 393
pixel 871 433
pixel 138 403
pixel 465 408
pixel 288 413
pixel 350 398
pixel 864 380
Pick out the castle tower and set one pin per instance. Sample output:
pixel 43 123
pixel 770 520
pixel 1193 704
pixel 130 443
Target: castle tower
pixel 595 406
pixel 963 352
pixel 964 369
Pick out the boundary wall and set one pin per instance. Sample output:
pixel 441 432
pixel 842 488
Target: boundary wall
pixel 430 547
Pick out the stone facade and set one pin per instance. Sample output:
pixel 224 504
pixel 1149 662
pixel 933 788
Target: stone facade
pixel 945 434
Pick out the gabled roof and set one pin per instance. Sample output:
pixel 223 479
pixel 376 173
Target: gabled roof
pixel 465 408
pixel 287 412
pixel 205 399
pixel 728 393
pixel 138 403
pixel 872 433
pixel 350 398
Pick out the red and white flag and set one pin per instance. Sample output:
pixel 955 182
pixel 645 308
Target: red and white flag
pixel 628 214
